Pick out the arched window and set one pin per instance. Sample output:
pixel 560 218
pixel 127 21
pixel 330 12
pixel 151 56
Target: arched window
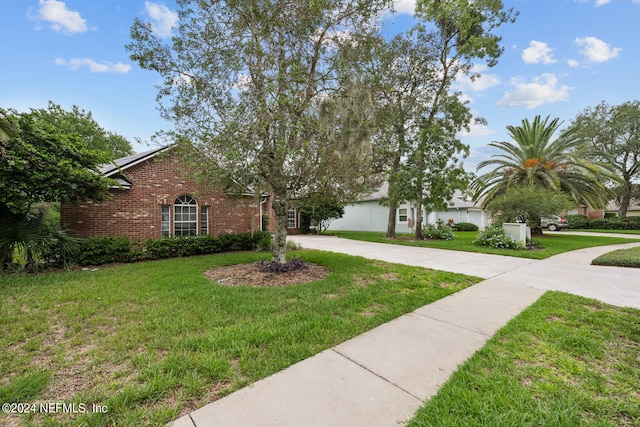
pixel 185 218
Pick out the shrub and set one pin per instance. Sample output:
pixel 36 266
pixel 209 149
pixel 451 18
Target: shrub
pixel 496 237
pixel 439 231
pixel 577 221
pixel 607 224
pixel 632 222
pixel 105 250
pixel 466 226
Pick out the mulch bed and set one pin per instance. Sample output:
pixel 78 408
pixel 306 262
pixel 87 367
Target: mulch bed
pixel 251 275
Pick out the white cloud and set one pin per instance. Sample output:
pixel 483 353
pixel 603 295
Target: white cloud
pixel 163 19
pixel 572 63
pixel 538 52
pixel 476 129
pixel 59 17
pixel 544 89
pixel 602 2
pixel 94 67
pixel 479 83
pixel 596 50
pixel 405 6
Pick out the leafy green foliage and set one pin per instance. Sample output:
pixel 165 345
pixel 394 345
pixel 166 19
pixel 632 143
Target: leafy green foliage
pixel 465 226
pixel 495 237
pixel 420 115
pixel 269 94
pixel 81 124
pixel 612 134
pixel 439 231
pixel 42 165
pixel 104 250
pixel 577 222
pixel 33 240
pixel 535 159
pixel 318 214
pixel 528 204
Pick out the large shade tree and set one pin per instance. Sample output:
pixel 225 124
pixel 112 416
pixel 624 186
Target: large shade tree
pixel 248 82
pixel 535 158
pixel 421 113
pixel 40 164
pixel 81 123
pixel 612 135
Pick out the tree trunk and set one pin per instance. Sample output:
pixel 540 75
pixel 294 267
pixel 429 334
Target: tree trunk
pixel 418 224
pixel 419 192
pixel 393 205
pixel 280 239
pixel 625 201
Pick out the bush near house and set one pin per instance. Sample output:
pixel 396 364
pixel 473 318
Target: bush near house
pixel 496 237
pixel 119 249
pixel 581 222
pixel 465 226
pixel 440 231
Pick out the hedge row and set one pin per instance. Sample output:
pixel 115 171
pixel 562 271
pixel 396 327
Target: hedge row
pixel 104 250
pixel 582 222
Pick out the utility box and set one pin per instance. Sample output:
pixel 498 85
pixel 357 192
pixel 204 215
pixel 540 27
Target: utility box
pixel 518 231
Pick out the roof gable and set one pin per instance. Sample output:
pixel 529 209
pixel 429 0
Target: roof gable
pixel 123 163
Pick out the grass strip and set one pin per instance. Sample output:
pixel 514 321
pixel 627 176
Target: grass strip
pixel 155 340
pixel 547 244
pixel 620 258
pixel 564 361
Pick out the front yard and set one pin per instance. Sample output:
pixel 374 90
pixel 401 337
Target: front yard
pixel 564 361
pixel 550 244
pixel 151 341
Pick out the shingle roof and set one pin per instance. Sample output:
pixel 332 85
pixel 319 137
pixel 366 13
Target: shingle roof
pixel 457 201
pixel 128 161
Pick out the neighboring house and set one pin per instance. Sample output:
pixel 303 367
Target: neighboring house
pixel 613 208
pixel 156 198
pixel 369 215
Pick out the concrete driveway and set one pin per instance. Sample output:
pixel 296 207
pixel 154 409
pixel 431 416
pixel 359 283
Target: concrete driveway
pixel 570 272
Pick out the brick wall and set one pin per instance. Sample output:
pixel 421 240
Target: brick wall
pixel 158 181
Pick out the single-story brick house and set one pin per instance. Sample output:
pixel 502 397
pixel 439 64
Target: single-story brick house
pixel 369 214
pixel 156 198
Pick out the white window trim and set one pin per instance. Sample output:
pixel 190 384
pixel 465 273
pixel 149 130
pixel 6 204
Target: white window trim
pixel 182 221
pixel 204 219
pixel 166 223
pixel 407 215
pixel 295 218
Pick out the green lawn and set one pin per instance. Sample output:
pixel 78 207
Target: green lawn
pixel 552 244
pixel 620 258
pixel 152 341
pixel 565 361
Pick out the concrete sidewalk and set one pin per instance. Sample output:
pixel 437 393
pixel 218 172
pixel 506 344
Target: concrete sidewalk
pixel 382 377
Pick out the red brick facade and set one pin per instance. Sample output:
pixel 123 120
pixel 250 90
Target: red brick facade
pixel 136 212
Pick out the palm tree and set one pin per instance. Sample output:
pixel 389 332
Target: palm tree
pixel 534 159
pixel 6 133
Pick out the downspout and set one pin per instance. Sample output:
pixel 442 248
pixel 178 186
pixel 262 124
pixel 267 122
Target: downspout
pixel 261 211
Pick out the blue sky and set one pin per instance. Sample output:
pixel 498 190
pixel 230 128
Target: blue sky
pixel 560 57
